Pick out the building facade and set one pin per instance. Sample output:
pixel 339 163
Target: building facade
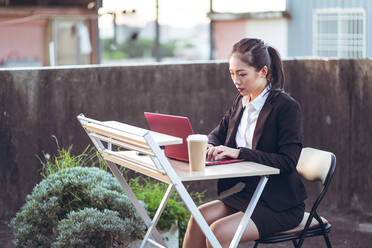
pixel 228 28
pixel 48 33
pixel 337 28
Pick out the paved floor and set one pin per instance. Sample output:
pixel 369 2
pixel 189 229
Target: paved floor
pixel 349 230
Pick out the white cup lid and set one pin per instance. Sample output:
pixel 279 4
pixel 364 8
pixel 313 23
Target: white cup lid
pixel 197 137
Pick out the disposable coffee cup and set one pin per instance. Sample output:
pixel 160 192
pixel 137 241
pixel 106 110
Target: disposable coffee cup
pixel 197 149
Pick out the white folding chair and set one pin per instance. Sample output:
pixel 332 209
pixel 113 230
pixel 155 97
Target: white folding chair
pixel 314 165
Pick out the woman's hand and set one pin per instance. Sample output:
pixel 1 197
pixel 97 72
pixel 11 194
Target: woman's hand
pixel 220 152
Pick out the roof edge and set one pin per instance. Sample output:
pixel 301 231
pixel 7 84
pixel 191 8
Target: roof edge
pixel 228 16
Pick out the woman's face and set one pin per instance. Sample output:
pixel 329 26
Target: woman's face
pixel 248 81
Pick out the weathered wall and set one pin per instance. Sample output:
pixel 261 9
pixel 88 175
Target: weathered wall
pixel 35 104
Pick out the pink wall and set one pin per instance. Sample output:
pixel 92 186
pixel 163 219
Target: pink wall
pixel 29 38
pixel 23 39
pixel 226 34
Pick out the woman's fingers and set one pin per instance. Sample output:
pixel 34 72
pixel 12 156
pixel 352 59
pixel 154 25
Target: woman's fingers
pixel 220 152
pixel 228 152
pixel 220 156
pixel 209 152
pixel 224 153
pixel 213 151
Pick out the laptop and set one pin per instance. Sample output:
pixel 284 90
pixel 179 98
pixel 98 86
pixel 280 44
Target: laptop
pixel 178 126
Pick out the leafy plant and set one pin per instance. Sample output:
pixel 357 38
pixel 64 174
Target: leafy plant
pixel 91 226
pixel 151 193
pixel 65 159
pixel 147 190
pixel 65 191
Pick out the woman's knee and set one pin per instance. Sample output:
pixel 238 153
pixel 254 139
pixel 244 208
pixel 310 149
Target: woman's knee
pixel 225 229
pixel 218 230
pixel 192 225
pixel 204 211
pixel 213 211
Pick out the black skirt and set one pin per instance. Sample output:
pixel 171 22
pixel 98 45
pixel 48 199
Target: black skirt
pixel 267 220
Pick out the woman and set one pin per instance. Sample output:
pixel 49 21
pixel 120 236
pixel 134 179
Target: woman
pixel 264 126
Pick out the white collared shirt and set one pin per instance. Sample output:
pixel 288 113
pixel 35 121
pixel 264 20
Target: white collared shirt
pixel 244 135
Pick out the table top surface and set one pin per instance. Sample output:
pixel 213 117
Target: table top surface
pixel 182 169
pixel 161 139
pixel 240 169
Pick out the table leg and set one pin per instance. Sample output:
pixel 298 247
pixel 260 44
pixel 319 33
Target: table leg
pixel 193 209
pixel 140 209
pixel 158 213
pixel 183 193
pixel 248 213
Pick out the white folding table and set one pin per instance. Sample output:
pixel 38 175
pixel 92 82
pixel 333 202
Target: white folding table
pixel 140 151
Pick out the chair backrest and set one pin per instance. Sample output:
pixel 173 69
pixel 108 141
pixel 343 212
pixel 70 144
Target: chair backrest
pixel 316 164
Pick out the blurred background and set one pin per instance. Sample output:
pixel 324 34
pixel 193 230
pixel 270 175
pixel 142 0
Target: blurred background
pixel 73 32
pixel 326 45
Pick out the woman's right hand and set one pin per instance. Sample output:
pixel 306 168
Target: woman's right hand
pixel 221 152
pixel 209 151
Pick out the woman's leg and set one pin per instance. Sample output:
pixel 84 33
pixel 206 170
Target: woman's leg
pixel 211 211
pixel 225 228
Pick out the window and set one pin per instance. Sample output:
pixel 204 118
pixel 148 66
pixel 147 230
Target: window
pixel 339 33
pixel 70 42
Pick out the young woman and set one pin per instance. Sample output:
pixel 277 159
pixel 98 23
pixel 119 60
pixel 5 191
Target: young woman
pixel 263 125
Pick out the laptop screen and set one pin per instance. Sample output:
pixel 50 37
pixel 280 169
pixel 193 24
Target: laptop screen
pixel 178 126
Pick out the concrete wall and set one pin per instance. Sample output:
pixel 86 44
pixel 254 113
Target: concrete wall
pixel 35 104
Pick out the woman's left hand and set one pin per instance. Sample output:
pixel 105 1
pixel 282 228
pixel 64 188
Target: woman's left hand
pixel 220 152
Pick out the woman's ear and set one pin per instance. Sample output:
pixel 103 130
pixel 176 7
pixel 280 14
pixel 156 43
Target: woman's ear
pixel 264 71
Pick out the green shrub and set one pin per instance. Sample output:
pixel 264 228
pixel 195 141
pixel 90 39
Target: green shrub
pixel 63 192
pixel 92 228
pixel 150 192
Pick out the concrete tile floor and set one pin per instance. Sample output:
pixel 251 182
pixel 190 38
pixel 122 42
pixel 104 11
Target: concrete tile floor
pixel 349 230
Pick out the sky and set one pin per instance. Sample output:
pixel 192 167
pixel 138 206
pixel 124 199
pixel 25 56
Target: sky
pixel 179 13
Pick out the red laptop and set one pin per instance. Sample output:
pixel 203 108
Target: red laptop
pixel 178 126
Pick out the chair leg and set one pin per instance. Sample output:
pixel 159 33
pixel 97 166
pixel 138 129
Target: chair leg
pixel 255 244
pixel 300 242
pixel 294 243
pixel 328 242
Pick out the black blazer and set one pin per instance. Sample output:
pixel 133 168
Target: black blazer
pixel 277 142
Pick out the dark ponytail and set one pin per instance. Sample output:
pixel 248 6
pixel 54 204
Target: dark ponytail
pixel 256 53
pixel 276 77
